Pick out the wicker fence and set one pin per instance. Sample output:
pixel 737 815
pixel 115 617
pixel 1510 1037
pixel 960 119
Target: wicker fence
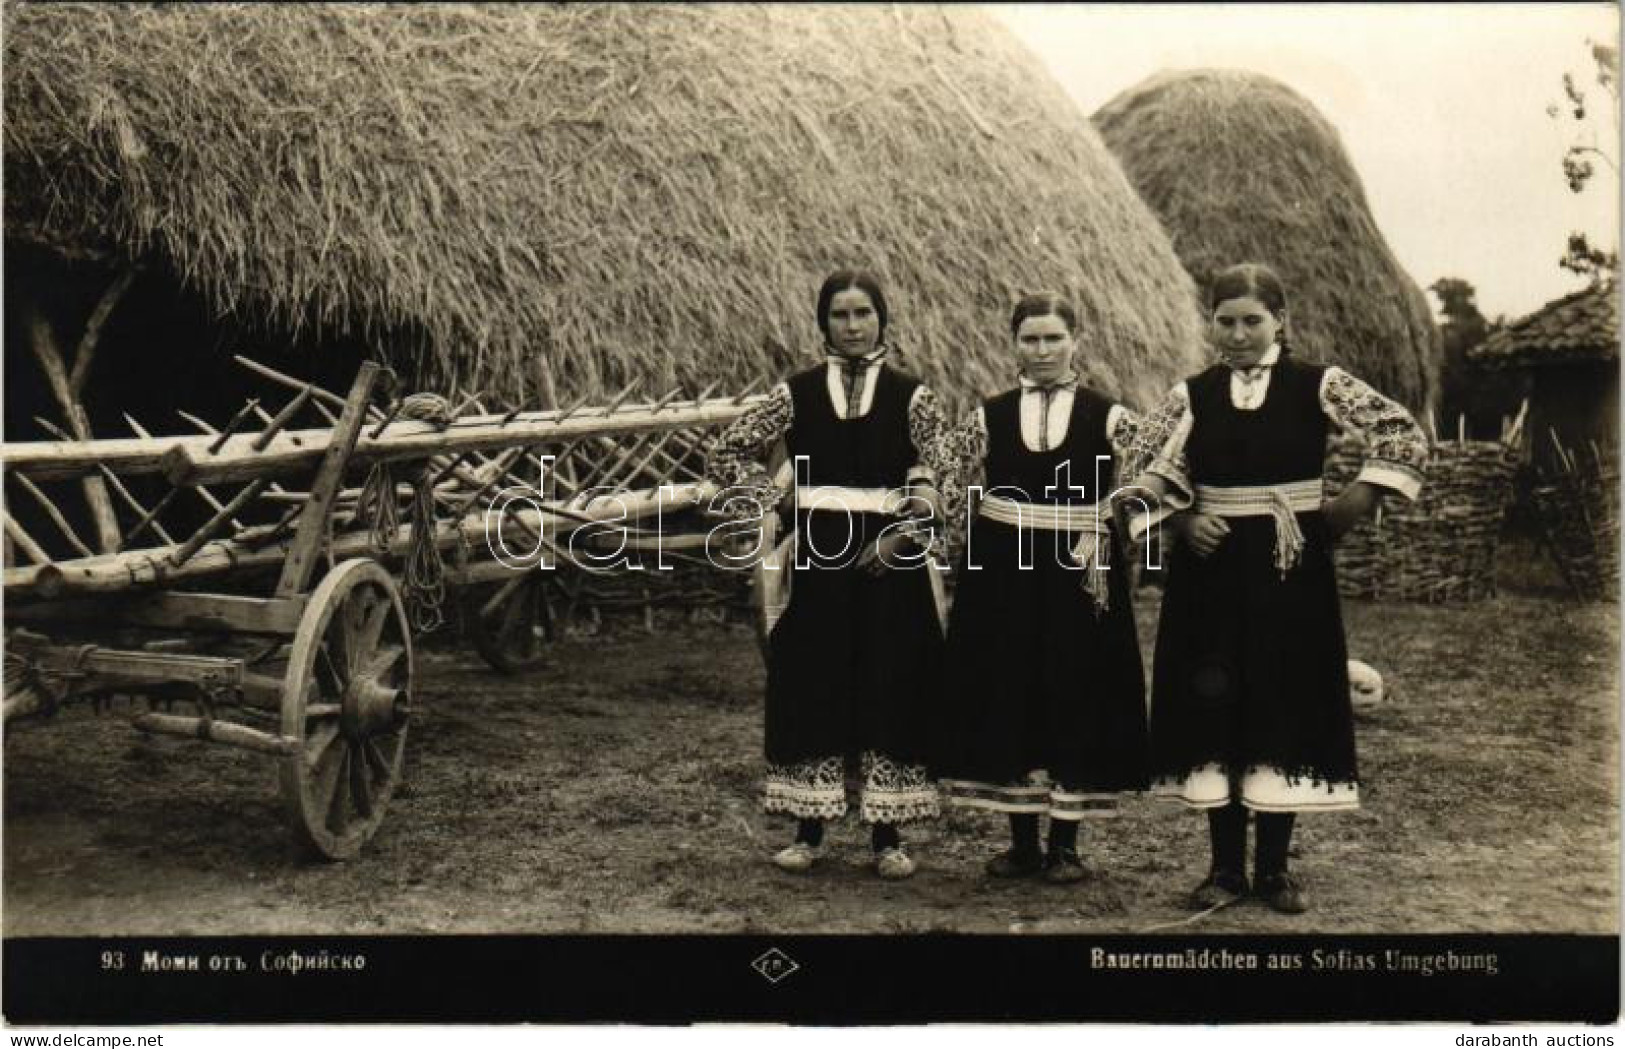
pixel 1443 546
pixel 1575 499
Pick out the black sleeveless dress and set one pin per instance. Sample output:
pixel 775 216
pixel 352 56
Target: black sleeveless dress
pixel 854 663
pixel 1250 676
pixel 1039 676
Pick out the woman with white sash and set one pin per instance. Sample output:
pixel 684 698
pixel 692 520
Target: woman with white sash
pixel 854 661
pixel 1250 696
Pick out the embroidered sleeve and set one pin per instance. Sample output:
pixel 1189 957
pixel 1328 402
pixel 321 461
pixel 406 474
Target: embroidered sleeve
pixel 1396 448
pixel 926 428
pixel 1123 426
pixel 736 462
pixel 963 451
pixel 1159 446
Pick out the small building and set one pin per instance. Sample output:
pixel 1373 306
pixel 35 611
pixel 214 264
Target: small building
pixel 1570 351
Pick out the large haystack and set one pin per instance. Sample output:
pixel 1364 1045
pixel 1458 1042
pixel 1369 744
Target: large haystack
pixel 599 193
pixel 1241 168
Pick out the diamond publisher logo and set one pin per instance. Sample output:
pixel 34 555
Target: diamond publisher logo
pixel 775 965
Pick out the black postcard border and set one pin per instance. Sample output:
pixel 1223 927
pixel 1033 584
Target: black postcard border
pixel 816 980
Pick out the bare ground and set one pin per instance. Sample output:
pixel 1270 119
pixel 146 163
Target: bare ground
pixel 615 791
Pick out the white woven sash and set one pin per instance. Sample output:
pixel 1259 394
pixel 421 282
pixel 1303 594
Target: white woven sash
pixel 1088 518
pixel 1258 500
pixel 1054 517
pixel 836 498
pixel 1280 501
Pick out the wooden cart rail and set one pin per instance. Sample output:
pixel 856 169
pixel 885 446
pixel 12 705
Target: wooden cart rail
pixel 382 511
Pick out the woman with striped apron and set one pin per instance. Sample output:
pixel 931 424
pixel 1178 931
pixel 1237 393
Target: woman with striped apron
pixel 1250 692
pixel 1046 693
pixel 854 661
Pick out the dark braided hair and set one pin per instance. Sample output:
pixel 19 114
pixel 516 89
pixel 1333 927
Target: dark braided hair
pixel 1253 280
pixel 846 280
pixel 1043 304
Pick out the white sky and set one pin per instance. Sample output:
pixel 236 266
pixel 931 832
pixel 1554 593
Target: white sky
pixel 1441 106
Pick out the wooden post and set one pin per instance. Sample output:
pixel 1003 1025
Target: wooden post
pixel 68 388
pixel 312 526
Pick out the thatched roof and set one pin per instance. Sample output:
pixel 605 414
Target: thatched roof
pixel 1241 168
pixel 1581 326
pixel 623 191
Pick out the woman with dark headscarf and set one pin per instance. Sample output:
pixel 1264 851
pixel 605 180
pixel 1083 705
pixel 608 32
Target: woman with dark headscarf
pixel 853 661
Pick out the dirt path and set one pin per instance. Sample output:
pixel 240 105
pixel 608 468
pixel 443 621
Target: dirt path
pixel 615 792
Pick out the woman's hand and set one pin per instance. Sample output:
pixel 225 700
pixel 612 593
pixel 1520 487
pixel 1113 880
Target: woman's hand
pixel 881 554
pixel 922 500
pixel 1203 532
pixel 1351 506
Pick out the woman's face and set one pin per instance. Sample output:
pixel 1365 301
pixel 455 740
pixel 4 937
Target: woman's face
pixel 852 325
pixel 1044 348
pixel 1243 330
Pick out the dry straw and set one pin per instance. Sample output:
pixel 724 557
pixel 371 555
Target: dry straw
pixel 1240 168
pixel 576 196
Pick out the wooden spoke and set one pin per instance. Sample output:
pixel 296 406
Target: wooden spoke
pixel 317 746
pixel 384 661
pixel 338 814
pixel 377 764
pixel 372 624
pixel 360 782
pixel 325 780
pixel 338 677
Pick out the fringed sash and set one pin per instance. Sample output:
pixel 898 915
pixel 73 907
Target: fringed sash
pixel 1280 501
pixel 1062 517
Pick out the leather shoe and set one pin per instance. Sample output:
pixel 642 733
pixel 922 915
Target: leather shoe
pixel 1063 867
pixel 1282 892
pixel 1013 864
pixel 1220 888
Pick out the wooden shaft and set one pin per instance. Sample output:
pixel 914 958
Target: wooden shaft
pixel 52 512
pixel 403 440
pixel 274 425
pixel 86 351
pixel 231 426
pixel 25 542
pixel 134 504
pixel 151 518
pixel 134 569
pixel 211 731
pixel 212 525
pixel 64 387
pixel 146 517
pixel 311 529
pixel 24 700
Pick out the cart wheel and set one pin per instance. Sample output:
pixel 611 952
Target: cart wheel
pixel 512 624
pixel 346 698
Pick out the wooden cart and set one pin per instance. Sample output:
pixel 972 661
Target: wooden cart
pixel 283 623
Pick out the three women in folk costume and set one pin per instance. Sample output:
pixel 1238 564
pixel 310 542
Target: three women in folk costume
pixel 1042 709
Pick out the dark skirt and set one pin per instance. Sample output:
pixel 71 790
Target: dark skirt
pixel 1038 679
pixel 1251 668
pixel 855 662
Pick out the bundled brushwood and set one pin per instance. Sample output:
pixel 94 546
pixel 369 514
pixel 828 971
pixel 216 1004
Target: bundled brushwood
pixel 1241 168
pixel 1443 547
pixel 1576 505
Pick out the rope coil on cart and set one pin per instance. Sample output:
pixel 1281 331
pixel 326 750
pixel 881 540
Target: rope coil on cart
pixel 423 583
